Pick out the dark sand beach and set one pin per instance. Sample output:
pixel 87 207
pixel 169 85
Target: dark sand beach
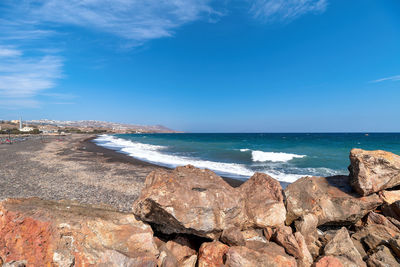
pixel 72 167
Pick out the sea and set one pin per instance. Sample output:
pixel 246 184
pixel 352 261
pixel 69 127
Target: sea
pixel 284 156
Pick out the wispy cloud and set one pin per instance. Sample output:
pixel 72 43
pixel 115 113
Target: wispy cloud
pixel 23 77
pixel 285 10
pixel 391 78
pixel 130 19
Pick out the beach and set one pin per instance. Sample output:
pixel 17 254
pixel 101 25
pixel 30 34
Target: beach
pixel 72 167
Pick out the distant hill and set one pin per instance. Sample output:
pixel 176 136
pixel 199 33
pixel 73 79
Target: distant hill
pixel 103 125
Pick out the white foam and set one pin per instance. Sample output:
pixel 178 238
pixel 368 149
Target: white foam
pixel 154 154
pixel 262 156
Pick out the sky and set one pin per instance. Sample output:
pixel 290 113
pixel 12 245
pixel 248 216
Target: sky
pixel 203 65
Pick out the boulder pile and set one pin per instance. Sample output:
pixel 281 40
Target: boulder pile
pixel 192 217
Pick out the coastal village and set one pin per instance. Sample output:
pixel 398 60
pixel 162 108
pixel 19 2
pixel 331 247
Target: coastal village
pixel 55 127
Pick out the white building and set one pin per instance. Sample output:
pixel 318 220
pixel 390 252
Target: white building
pixel 26 129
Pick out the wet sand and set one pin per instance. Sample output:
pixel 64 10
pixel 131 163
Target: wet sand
pixel 74 168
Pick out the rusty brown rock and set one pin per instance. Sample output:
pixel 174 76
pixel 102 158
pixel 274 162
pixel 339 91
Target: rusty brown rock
pixel 283 236
pixel 306 260
pixel 373 171
pixel 47 233
pixel 392 210
pixel 270 255
pixel 233 237
pixel 382 257
pixel 330 199
pixel 329 261
pixel 199 202
pixel 189 200
pixel 374 235
pixel 342 248
pixel 375 218
pixel 307 226
pixel 263 199
pixel 390 196
pixel 395 245
pixel 183 251
pixel 212 254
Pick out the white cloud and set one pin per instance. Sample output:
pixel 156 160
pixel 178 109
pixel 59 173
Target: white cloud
pixel 391 78
pixel 22 77
pixel 285 10
pixel 9 52
pixel 130 19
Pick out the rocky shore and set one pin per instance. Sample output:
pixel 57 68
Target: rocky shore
pixel 192 217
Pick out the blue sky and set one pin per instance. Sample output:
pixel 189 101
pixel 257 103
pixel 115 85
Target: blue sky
pixel 202 65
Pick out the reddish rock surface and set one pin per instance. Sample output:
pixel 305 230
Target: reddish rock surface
pixel 328 261
pixel 199 202
pixel 330 199
pixel 284 237
pixel 270 255
pixel 263 199
pixel 45 233
pixel 372 171
pixel 233 237
pixel 342 248
pixel 212 254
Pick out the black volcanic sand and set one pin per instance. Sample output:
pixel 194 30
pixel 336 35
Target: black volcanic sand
pixel 73 167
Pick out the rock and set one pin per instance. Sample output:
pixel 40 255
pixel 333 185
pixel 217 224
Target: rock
pixel 212 254
pixel 182 250
pixel 382 258
pixel 18 264
pixel 306 260
pixel 330 200
pixel 45 233
pixel 268 232
pixel 254 238
pixel 166 259
pixel 329 261
pixel 375 218
pixel 189 200
pixel 233 237
pixel 360 248
pixel 392 210
pixel 374 235
pixel 284 237
pixel 343 249
pixel 390 196
pixel 270 255
pixel 395 245
pixel 307 226
pixel 263 199
pixel 394 222
pixel 372 171
pixel 199 202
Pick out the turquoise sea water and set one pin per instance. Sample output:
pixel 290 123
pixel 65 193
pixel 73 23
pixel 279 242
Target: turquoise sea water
pixel 284 156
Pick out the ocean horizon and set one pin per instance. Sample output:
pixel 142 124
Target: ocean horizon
pixel 284 156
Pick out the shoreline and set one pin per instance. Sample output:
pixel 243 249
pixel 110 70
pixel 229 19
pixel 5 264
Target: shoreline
pixel 115 156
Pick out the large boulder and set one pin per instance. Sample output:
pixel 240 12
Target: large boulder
pixel 263 201
pixel 199 202
pixel 330 200
pixel 47 233
pixel 372 171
